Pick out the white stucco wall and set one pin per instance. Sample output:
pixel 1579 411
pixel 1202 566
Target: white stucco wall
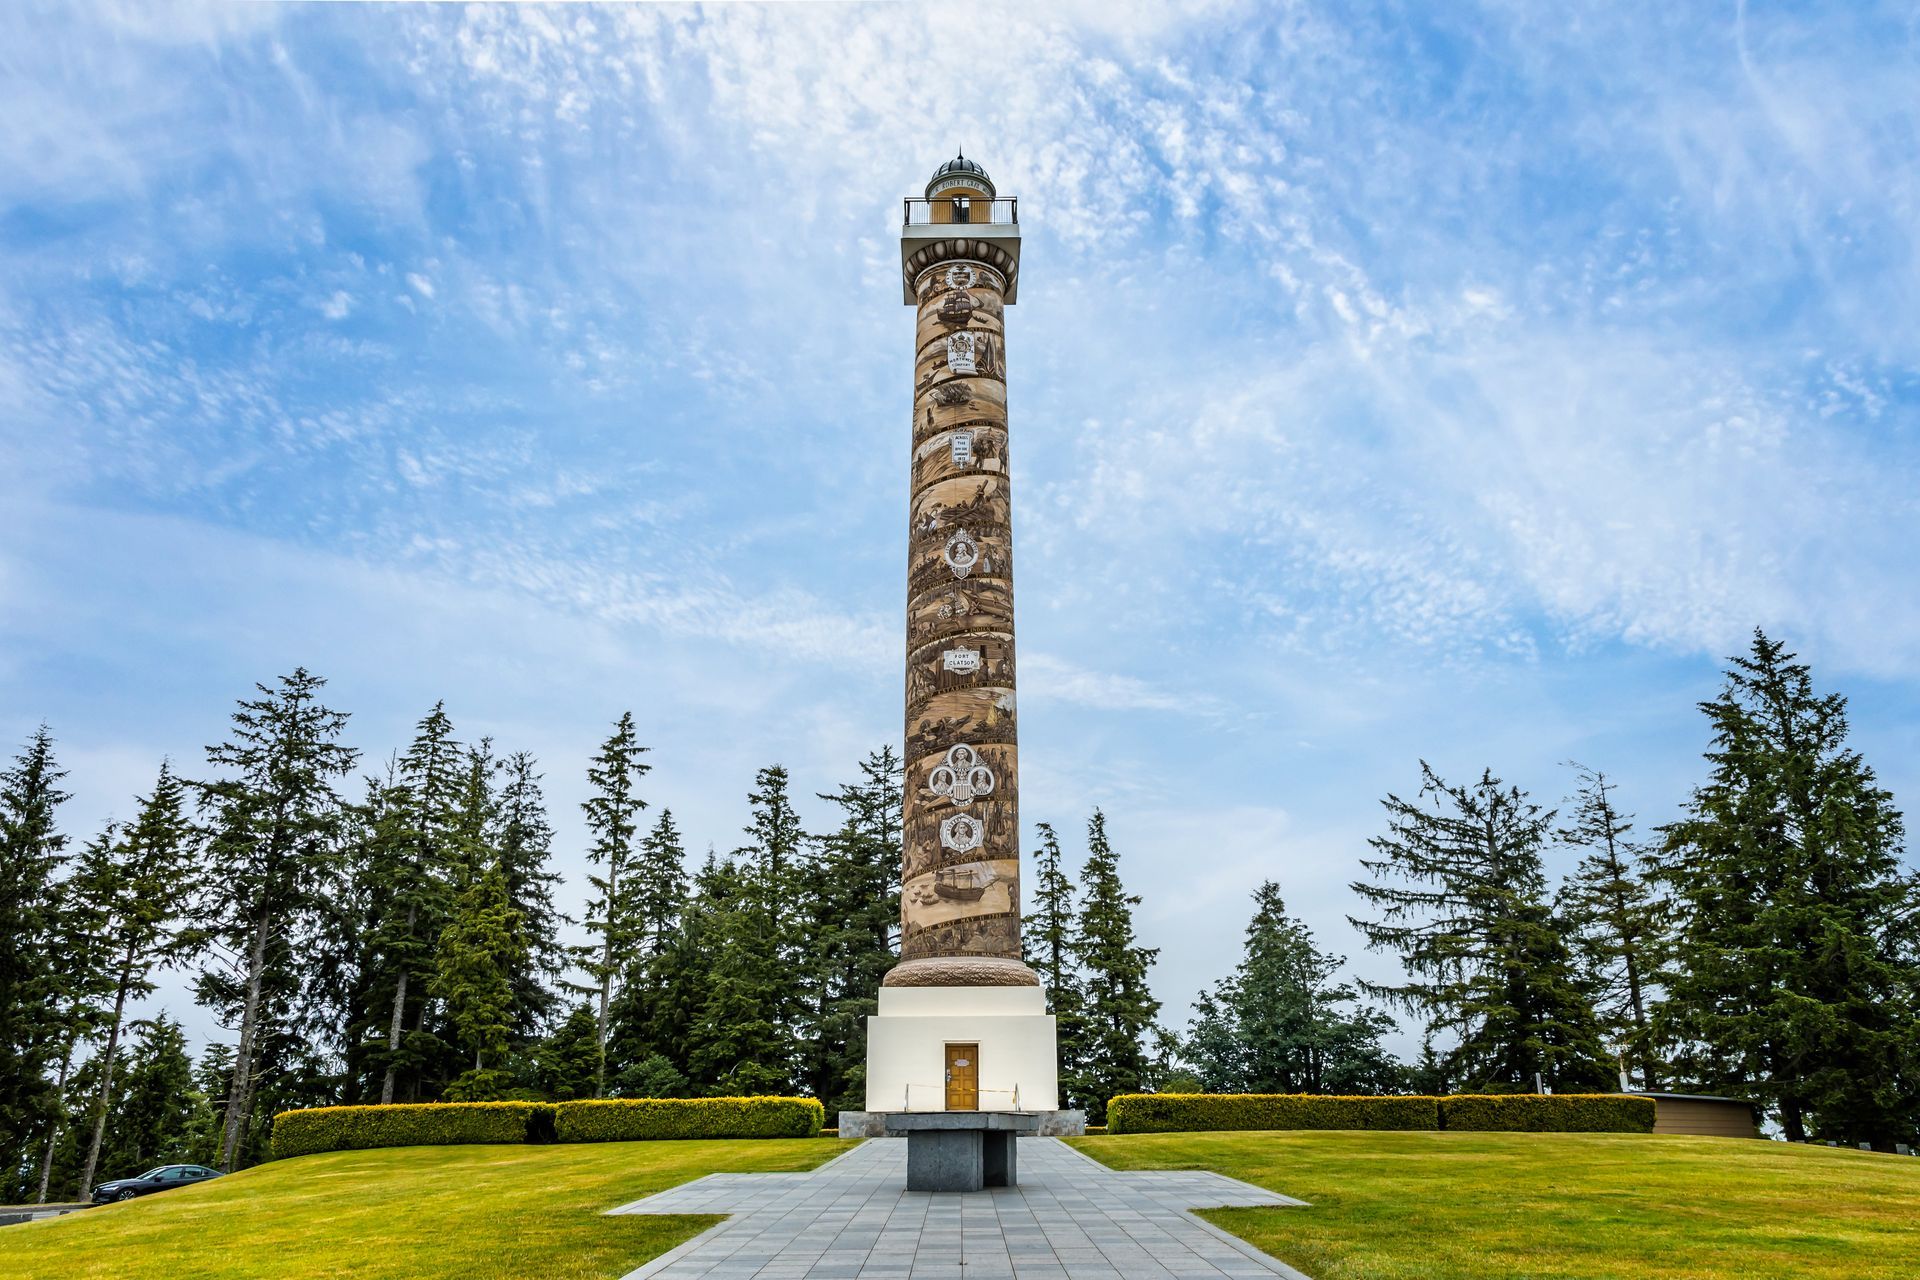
pixel 907 1040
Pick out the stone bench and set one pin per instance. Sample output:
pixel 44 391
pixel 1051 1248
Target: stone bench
pixel 961 1150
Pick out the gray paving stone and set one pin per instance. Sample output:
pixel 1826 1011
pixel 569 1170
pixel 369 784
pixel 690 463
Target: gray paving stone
pixel 1071 1218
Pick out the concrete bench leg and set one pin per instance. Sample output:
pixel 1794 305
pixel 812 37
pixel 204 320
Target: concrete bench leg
pixel 946 1160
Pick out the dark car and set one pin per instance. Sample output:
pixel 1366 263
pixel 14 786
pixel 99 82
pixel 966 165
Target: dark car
pixel 160 1179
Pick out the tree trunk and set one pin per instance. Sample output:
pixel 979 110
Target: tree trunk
pixel 106 1079
pixel 53 1133
pixel 1791 1124
pixel 399 1015
pixel 606 991
pixel 240 1091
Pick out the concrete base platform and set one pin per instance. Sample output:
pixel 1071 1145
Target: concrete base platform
pixel 961 1150
pixel 1052 1124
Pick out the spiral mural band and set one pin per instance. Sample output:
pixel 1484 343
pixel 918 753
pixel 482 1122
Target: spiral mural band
pixel 961 879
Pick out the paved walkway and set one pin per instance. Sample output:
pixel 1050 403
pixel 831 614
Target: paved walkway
pixel 1069 1218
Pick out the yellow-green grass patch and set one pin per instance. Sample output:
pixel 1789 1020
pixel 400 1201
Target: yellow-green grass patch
pixel 1596 1206
pixel 405 1213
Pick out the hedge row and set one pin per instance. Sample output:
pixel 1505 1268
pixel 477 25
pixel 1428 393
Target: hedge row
pixel 1551 1113
pixel 1176 1112
pixel 302 1133
pixel 633 1119
pixel 426 1124
pixel 1536 1113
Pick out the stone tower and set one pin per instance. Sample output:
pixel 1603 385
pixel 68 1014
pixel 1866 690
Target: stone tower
pixel 962 1022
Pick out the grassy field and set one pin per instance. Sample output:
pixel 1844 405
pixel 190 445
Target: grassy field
pixel 1486 1206
pixel 516 1213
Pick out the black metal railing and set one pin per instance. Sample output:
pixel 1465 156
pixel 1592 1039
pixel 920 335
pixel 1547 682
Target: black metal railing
pixel 941 210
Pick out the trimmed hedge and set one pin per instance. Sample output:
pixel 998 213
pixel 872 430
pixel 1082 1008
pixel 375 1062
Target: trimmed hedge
pixel 1503 1112
pixel 1180 1112
pixel 1553 1113
pixel 425 1124
pixel 636 1119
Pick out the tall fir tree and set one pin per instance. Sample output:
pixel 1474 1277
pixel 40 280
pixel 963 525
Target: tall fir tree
pixel 141 891
pixel 417 891
pixel 479 950
pixel 153 1105
pixel 641 1027
pixel 1795 974
pixel 31 849
pixel 1616 920
pixel 735 1046
pixel 1461 892
pixel 1120 1008
pixel 1282 1023
pixel 271 859
pixel 1047 935
pixel 523 839
pixel 850 903
pixel 613 814
pixel 84 985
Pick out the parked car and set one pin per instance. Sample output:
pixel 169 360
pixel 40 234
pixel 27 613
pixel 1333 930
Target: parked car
pixel 160 1179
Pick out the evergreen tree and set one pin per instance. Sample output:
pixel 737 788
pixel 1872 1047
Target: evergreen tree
pixel 30 1032
pixel 270 861
pixel 640 1029
pixel 1281 1023
pixel 1795 977
pixel 417 889
pixel 564 1063
pixel 141 891
pixel 681 1000
pixel 479 951
pixel 1615 919
pixel 1047 940
pixel 613 813
pixel 735 1047
pixel 1120 1008
pixel 850 899
pixel 84 984
pixel 523 839
pixel 1462 895
pixel 153 1109
pixel 773 852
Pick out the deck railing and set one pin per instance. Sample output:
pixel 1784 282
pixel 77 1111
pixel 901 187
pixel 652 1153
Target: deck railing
pixel 941 210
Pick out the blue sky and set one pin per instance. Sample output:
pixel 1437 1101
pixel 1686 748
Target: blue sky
pixel 1388 381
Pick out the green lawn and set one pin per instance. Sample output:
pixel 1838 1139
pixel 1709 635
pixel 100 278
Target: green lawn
pixel 1486 1206
pixel 517 1213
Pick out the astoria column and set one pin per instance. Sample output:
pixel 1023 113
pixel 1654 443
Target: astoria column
pixel 960 882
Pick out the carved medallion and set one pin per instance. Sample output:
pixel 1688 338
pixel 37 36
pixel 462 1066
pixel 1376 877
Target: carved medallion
pixel 961 553
pixel 962 350
pixel 962 778
pixel 962 832
pixel 963 448
pixel 961 276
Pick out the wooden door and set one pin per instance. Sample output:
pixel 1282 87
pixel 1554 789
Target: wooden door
pixel 963 1077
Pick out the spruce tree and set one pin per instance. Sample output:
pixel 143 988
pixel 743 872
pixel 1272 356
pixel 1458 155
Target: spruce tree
pixel 1462 898
pixel 153 1107
pixel 1795 974
pixel 640 1029
pixel 83 986
pixel 523 839
pixel 31 848
pixel 1282 1023
pixel 417 888
pixel 1120 1008
pixel 478 953
pixel 613 813
pixel 270 861
pixel 850 908
pixel 1615 919
pixel 735 1046
pixel 772 903
pixel 141 891
pixel 1047 936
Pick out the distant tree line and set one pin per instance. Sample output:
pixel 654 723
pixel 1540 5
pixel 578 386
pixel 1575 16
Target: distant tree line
pixel 397 938
pixel 1766 944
